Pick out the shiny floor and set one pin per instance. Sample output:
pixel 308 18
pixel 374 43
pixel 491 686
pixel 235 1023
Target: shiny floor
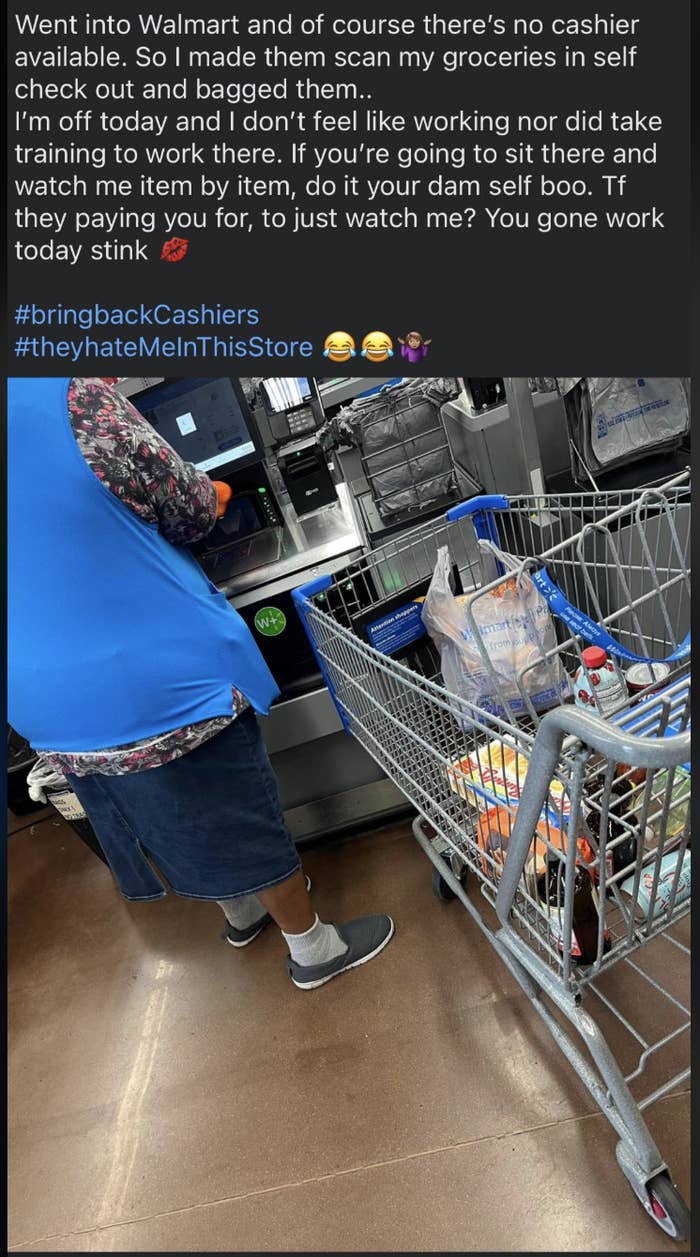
pixel 170 1093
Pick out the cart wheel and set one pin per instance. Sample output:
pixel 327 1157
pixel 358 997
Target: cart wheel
pixel 668 1208
pixel 441 890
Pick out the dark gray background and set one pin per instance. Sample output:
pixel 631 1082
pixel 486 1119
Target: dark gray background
pixel 609 303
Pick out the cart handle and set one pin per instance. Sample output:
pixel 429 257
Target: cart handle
pixel 480 510
pixel 485 502
pixel 303 593
pixel 301 597
pixel 606 739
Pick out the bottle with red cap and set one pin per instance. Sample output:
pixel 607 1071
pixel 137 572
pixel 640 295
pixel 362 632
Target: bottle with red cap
pixel 598 684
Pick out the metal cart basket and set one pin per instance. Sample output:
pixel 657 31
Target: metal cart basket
pixel 564 832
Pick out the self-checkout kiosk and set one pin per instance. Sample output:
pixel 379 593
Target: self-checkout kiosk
pixel 292 412
pixel 208 422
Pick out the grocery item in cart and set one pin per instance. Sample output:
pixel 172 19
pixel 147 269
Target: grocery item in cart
pixel 661 897
pixel 623 799
pixel 495 773
pixel 493 832
pixel 641 676
pixel 585 924
pixel 512 625
pixel 678 804
pixel 598 686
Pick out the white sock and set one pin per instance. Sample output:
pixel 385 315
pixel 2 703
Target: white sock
pixel 242 911
pixel 317 945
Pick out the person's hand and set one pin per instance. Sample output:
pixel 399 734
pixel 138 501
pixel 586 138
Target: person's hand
pixel 427 342
pixel 224 493
pixel 401 340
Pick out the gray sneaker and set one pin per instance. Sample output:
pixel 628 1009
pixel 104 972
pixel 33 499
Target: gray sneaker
pixel 365 938
pixel 241 938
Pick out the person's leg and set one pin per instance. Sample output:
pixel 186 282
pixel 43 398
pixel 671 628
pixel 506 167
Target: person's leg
pixel 246 917
pixel 237 840
pixel 244 911
pixel 318 950
pixel 289 904
pixel 310 941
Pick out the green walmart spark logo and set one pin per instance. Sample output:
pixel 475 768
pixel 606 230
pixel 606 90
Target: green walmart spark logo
pixel 270 621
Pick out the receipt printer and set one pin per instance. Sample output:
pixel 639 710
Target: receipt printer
pixel 306 476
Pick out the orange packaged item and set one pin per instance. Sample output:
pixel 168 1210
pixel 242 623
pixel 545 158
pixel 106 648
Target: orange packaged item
pixel 224 493
pixel 494 829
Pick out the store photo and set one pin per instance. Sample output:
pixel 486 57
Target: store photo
pixel 349 789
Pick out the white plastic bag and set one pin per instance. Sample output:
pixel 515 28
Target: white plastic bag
pixel 515 629
pixel 629 416
pixel 45 785
pixel 40 778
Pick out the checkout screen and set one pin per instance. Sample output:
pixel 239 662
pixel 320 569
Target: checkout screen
pixel 202 420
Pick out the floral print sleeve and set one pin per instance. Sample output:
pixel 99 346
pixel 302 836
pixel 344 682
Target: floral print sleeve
pixel 137 466
pixel 149 753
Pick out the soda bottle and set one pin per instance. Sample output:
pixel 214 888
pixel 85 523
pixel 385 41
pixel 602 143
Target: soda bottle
pixel 550 892
pixel 623 791
pixel 586 919
pixel 625 853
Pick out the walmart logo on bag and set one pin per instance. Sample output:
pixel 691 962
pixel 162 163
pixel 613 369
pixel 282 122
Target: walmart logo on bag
pixel 602 427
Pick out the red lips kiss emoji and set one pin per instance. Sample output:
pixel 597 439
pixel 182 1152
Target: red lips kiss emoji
pixel 174 250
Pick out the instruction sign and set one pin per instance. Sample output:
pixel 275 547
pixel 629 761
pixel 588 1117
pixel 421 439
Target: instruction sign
pixel 397 628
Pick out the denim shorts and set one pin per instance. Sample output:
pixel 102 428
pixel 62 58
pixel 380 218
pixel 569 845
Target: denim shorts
pixel 209 824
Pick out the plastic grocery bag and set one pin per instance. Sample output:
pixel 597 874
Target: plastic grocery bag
pixel 631 417
pixel 515 629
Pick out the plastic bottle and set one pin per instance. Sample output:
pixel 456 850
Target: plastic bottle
pixel 597 684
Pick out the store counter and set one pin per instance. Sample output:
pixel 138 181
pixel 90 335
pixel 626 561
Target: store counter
pixel 332 534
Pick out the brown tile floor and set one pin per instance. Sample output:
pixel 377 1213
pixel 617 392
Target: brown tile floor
pixel 169 1092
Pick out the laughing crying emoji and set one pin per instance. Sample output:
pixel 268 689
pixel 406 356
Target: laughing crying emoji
pixel 339 347
pixel 377 347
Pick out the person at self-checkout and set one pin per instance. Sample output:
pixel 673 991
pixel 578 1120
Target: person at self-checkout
pixel 137 680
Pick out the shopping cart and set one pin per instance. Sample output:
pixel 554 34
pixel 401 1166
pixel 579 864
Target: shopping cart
pixel 572 828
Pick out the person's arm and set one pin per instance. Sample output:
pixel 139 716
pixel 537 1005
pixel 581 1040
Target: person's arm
pixel 138 467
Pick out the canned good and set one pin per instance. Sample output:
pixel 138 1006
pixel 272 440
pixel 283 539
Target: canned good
pixel 642 675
